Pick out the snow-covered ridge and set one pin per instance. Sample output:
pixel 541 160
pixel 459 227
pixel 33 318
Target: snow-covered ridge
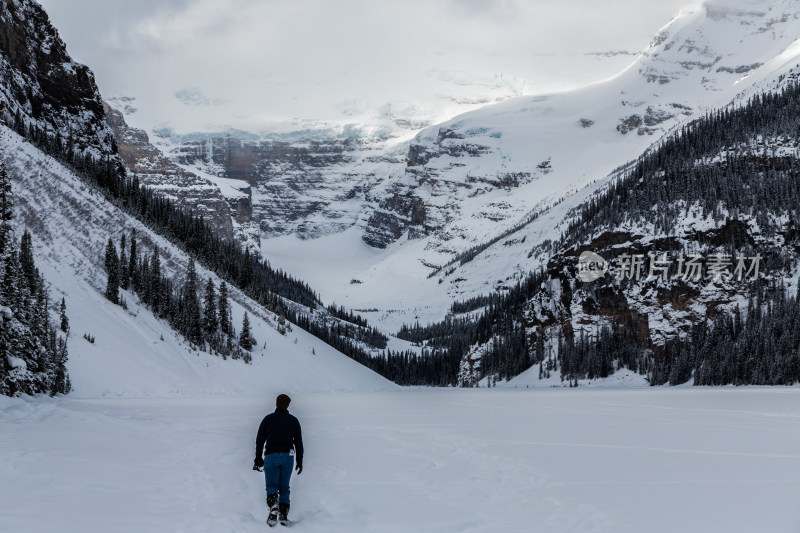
pixel 480 172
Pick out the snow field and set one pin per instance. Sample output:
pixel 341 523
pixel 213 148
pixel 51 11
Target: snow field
pixel 585 460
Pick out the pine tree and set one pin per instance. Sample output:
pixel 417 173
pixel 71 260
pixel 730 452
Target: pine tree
pixel 246 340
pixel 194 323
pixel 12 291
pixel 63 317
pixel 123 265
pixel 210 319
pixel 112 269
pixel 6 209
pixel 6 196
pixel 246 269
pixel 132 271
pixel 153 281
pixel 224 310
pixel 26 260
pixel 143 270
pixel 62 381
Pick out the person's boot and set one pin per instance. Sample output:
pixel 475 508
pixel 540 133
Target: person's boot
pixel 284 513
pixel 272 505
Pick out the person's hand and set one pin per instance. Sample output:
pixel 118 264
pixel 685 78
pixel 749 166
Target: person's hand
pixel 299 468
pixel 258 464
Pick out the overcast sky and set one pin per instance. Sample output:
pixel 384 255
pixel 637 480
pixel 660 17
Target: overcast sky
pixel 199 64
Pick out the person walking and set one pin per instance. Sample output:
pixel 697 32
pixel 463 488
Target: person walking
pixel 284 445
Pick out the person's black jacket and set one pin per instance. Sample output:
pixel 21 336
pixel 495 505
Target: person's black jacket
pixel 281 431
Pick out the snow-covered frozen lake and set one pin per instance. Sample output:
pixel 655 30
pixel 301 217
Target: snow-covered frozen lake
pixel 414 460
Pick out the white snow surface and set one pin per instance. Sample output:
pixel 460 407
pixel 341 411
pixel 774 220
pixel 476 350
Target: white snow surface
pixel 475 460
pixel 70 223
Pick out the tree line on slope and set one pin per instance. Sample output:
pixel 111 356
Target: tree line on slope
pixel 496 336
pixel 758 345
pixel 33 355
pixel 203 323
pixel 722 162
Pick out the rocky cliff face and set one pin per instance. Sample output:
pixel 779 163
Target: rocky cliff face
pixel 307 186
pixel 42 87
pixel 231 214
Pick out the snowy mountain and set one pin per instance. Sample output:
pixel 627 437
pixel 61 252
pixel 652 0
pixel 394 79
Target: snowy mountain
pixel 66 177
pixel 471 205
pixel 70 223
pixel 470 178
pixel 491 184
pixel 464 184
pixel 313 177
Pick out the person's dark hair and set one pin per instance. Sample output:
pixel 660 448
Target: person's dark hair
pixel 282 401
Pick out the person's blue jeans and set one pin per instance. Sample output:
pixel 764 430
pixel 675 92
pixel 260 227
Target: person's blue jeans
pixel 277 471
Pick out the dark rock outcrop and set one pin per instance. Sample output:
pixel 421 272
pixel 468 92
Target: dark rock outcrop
pixel 404 209
pixel 43 88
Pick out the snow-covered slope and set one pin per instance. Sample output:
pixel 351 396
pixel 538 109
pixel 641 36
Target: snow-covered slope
pixel 478 174
pixel 70 223
pixel 507 174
